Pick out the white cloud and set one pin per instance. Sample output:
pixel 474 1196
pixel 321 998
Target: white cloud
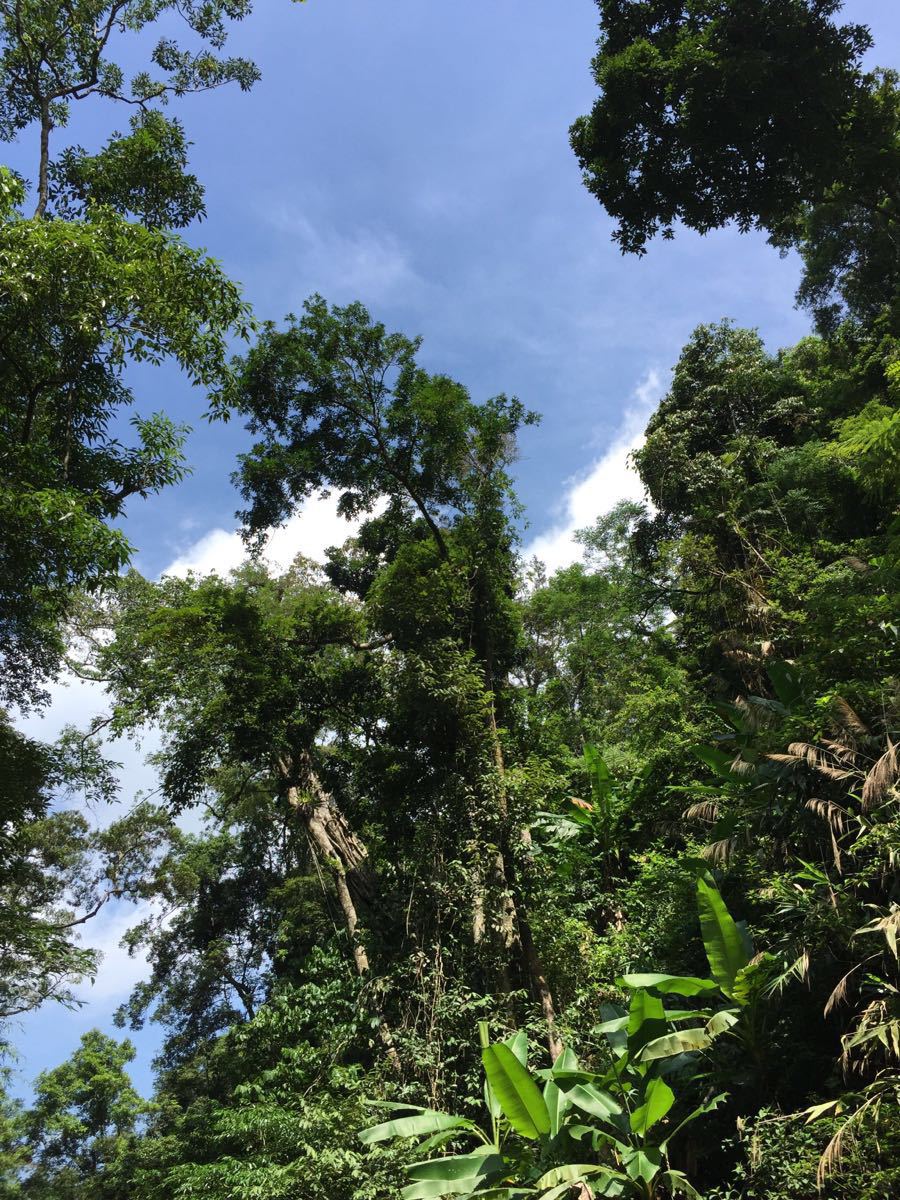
pixel 610 479
pixel 119 971
pixel 310 531
pixel 361 262
pixel 79 702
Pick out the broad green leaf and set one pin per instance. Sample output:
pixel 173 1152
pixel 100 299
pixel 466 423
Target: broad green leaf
pixel 561 1189
pixel 393 1106
pixel 721 937
pixel 595 1101
pixel 426 1189
pixel 787 682
pixel 579 1131
pixel 438 1140
pixel 642 1163
pixel 658 1099
pixel 557 1102
pixel 569 1173
pixel 490 1100
pixel 478 1164
pixel 721 1022
pixel 614 1026
pixel 517 1093
pixel 707 1106
pixel 424 1123
pixel 646 1020
pixel 684 1041
pixel 717 759
pixel 518 1043
pixel 679 1184
pixel 679 985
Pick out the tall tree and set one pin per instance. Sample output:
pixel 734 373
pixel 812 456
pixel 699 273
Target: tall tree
pixel 84 1120
pixel 86 291
pixel 755 112
pixel 338 402
pixel 713 112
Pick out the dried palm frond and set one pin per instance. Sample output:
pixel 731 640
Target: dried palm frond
pixel 841 751
pixel 703 810
pixel 833 1156
pixel 787 760
pixel 875 1093
pixel 882 777
pixel 719 852
pixel 835 816
pixel 829 811
pixel 848 719
pixel 742 768
pixel 877 1036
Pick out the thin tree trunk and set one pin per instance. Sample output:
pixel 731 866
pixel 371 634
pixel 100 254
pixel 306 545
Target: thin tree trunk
pixel 515 911
pixel 44 165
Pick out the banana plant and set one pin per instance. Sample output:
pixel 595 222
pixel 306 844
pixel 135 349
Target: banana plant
pixel 736 976
pixel 555 1132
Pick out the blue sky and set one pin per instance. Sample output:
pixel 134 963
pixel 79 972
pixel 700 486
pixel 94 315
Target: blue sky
pixel 414 154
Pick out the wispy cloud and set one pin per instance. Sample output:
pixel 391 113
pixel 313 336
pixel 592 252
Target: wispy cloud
pixel 610 479
pixel 358 262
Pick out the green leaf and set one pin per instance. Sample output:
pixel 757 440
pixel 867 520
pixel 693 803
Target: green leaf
pixel 716 759
pixel 518 1043
pixel 438 1140
pixel 679 1184
pixel 557 1102
pixel 722 939
pixel 418 1126
pixel 679 985
pixel 721 1022
pixel 595 1101
pixel 646 1020
pixel 658 1099
pixel 482 1162
pixel 517 1093
pixel 787 682
pixel 561 1189
pixel 642 1163
pixel 614 1027
pixel 490 1100
pixel 707 1106
pixel 425 1189
pixel 684 1041
pixel 569 1173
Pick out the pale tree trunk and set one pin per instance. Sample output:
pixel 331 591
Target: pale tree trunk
pixel 339 849
pixel 515 914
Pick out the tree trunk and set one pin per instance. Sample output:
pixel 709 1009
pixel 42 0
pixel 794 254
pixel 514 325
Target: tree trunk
pixel 515 909
pixel 346 855
pixel 44 164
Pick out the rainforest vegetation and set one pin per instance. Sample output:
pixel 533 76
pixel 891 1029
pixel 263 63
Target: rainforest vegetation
pixel 463 878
